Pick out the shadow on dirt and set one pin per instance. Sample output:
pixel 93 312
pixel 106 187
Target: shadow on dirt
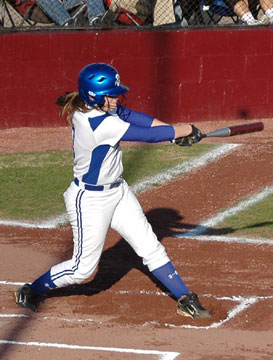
pixel 230 230
pixel 118 260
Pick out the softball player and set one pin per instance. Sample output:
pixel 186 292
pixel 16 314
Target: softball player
pixel 99 198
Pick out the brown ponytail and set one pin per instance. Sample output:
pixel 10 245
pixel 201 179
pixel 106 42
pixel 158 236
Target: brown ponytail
pixel 70 102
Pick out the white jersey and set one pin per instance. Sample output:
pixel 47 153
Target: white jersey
pixel 97 154
pixel 93 209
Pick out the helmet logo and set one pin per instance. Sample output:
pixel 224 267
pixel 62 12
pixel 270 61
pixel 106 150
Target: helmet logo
pixel 91 93
pixel 117 82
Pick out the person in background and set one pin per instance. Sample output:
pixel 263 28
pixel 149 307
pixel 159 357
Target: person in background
pixel 267 6
pixel 242 9
pixel 246 10
pixel 163 12
pixel 57 10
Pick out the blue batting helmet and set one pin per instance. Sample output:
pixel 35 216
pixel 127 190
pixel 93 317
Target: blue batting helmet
pixel 99 80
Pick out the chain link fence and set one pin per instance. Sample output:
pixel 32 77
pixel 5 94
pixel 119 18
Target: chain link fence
pixel 99 14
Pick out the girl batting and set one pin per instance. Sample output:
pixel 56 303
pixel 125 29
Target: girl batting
pixel 99 198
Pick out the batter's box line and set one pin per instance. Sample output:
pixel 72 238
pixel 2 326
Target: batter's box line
pixel 196 234
pixel 162 355
pixel 244 304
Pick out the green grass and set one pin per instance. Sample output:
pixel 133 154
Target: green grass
pixel 141 162
pixel 256 219
pixel 32 184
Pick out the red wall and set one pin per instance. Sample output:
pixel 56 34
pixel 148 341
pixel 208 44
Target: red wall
pixel 187 75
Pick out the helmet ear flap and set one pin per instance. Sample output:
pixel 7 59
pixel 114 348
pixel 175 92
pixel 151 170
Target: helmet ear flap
pixel 96 100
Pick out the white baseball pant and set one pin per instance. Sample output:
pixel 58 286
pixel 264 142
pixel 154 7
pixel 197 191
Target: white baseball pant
pixel 91 213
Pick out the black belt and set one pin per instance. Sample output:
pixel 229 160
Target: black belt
pixel 96 187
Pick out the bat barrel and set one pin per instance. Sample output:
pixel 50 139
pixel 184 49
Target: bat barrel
pixel 236 130
pixel 246 128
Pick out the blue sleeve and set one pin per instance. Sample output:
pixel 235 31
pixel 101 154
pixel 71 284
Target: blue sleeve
pixel 134 117
pixel 151 135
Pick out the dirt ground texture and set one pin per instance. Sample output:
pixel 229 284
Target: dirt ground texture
pixel 122 312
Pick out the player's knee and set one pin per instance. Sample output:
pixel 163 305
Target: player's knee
pixel 83 274
pixel 79 280
pixel 156 257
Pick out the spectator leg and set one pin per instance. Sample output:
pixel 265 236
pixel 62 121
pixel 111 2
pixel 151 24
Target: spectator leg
pixel 164 12
pixel 68 4
pixel 267 6
pixel 241 9
pixel 55 10
pixel 95 8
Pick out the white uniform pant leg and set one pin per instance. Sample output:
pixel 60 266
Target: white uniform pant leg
pixel 90 214
pixel 131 223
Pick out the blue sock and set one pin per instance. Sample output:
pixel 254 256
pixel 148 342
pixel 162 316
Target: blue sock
pixel 169 277
pixel 43 284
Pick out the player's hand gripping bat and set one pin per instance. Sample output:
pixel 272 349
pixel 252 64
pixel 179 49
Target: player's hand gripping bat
pixel 197 135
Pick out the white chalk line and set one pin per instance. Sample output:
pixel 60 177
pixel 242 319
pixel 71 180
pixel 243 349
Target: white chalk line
pixel 231 239
pixel 184 168
pixel 47 224
pixel 140 187
pixel 243 304
pixel 196 233
pixel 163 355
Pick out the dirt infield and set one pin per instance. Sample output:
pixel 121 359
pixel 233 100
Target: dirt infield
pixel 122 313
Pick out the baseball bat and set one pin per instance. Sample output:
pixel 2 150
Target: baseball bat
pixel 236 130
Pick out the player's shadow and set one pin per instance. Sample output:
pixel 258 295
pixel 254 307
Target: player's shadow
pixel 229 230
pixel 118 260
